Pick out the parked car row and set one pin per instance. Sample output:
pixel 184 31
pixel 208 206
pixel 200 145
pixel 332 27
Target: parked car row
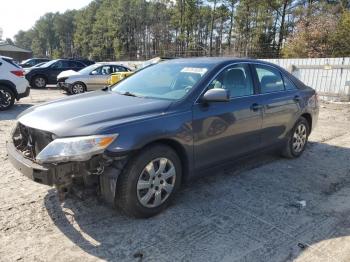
pixel 16 79
pixel 138 140
pixel 75 76
pixel 47 73
pixel 98 76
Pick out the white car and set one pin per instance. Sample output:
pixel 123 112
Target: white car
pixel 13 85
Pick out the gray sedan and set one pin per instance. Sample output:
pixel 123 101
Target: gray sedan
pixel 90 78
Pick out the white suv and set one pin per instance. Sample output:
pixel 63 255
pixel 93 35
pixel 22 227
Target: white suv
pixel 13 84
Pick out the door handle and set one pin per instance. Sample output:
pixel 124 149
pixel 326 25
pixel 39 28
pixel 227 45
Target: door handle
pixel 256 107
pixel 297 98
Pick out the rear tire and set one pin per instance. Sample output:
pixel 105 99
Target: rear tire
pixel 149 181
pixel 7 98
pixel 297 139
pixel 39 82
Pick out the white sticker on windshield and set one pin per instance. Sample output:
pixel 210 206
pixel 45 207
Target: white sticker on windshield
pixel 196 70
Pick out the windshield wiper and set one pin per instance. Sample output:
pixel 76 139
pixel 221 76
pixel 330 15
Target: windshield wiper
pixel 106 88
pixel 127 93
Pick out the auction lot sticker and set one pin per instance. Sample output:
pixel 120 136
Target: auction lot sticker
pixel 196 70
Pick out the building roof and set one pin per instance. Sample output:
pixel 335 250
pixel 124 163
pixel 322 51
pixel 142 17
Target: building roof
pixel 12 48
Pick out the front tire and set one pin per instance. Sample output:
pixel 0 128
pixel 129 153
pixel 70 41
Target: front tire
pixel 149 181
pixel 78 88
pixel 297 140
pixel 7 98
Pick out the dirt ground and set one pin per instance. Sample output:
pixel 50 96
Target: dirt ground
pixel 263 209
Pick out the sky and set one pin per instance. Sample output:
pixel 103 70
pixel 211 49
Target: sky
pixel 22 14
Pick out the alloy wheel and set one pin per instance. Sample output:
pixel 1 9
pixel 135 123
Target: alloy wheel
pixel 5 99
pixel 77 89
pixel 299 138
pixel 156 182
pixel 40 82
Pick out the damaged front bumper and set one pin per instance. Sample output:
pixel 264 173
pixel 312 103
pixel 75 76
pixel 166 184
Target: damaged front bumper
pixel 100 172
pixel 30 169
pixel 64 86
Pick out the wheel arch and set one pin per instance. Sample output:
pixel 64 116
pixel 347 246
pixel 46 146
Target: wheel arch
pixel 308 118
pixel 36 75
pixel 80 82
pixel 11 86
pixel 179 149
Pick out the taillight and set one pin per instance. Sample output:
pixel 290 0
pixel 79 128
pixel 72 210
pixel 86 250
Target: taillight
pixel 313 101
pixel 19 73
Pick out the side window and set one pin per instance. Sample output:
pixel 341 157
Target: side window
pixel 236 79
pixel 80 65
pixel 74 64
pixel 105 70
pixel 102 70
pixel 288 84
pixel 116 68
pixel 10 61
pixel 97 71
pixel 121 69
pixel 270 79
pixel 56 65
pixel 61 64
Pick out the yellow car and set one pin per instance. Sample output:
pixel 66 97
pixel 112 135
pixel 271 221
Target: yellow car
pixel 118 76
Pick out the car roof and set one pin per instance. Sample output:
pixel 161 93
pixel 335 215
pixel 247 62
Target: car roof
pixel 109 63
pixel 6 57
pixel 216 60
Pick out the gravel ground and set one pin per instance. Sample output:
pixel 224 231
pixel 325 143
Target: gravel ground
pixel 263 209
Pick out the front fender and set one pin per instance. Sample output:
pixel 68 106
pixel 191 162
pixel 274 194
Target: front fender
pixel 134 136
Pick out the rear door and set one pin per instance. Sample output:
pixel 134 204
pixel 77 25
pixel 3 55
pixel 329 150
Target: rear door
pixel 223 130
pixel 281 103
pixel 76 66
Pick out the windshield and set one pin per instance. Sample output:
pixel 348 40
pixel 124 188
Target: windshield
pixel 49 63
pixel 87 70
pixel 25 61
pixel 171 81
pixel 40 64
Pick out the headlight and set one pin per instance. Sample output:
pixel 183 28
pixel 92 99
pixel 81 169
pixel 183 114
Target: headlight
pixel 75 148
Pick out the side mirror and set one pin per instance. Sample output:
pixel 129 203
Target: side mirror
pixel 216 95
pixel 94 73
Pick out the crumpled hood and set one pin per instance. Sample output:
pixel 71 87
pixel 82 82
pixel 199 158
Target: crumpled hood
pixel 67 73
pixel 90 113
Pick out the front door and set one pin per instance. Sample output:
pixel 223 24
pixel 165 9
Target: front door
pixel 98 78
pixel 224 130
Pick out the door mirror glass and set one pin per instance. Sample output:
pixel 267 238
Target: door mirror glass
pixel 95 72
pixel 216 95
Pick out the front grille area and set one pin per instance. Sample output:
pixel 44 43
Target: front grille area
pixel 30 141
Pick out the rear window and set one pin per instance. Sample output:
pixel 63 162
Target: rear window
pixel 10 61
